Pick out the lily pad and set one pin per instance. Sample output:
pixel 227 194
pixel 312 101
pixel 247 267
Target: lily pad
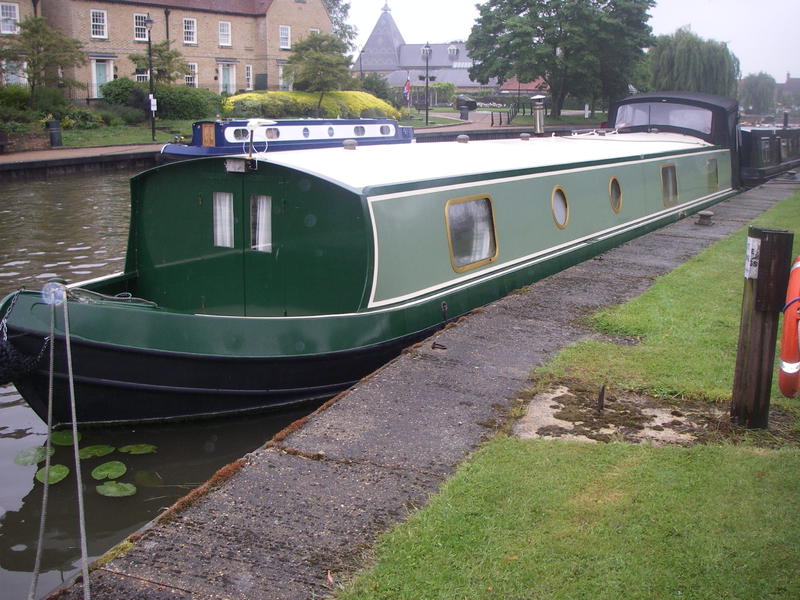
pixel 139 449
pixel 97 450
pixel 57 473
pixel 116 489
pixel 63 437
pixel 109 470
pixel 32 456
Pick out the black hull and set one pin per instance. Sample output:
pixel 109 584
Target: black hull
pixel 122 385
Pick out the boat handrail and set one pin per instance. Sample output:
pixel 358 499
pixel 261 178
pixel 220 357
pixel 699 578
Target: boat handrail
pixel 84 295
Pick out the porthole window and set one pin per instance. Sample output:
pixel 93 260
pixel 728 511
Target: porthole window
pixel 359 130
pixel 273 133
pixel 560 207
pixel 712 170
pixel 615 194
pixel 385 130
pixel 669 185
pixel 330 131
pixel 306 132
pixel 470 232
pixel 241 134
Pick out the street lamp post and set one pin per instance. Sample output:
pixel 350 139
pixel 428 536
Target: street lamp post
pixel 426 52
pixel 148 23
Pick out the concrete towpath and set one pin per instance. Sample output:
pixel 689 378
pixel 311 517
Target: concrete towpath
pixel 298 516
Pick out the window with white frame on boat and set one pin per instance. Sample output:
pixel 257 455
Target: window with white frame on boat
pixel 99 22
pixel 140 27
pixel 261 223
pixel 560 207
pixel 9 18
pixel 712 169
pixel 669 185
pixel 669 114
pixel 223 219
pixel 615 194
pixel 470 232
pixel 191 77
pixel 190 31
pixel 225 33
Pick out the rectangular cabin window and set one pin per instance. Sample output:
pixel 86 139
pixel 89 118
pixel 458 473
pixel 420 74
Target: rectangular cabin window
pixel 713 174
pixel 223 219
pixel 470 231
pixel 669 185
pixel 261 223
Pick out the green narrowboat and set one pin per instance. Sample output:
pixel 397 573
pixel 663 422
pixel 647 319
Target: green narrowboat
pixel 255 283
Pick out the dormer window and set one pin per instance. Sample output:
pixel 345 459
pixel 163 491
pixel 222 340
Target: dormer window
pixel 452 51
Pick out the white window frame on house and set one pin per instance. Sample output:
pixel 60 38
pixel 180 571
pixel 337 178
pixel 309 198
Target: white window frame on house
pixel 98 24
pixel 13 73
pixel 190 32
pixel 225 34
pixel 191 77
pixel 248 77
pixel 9 18
pixel 284 37
pixel 142 76
pixel 139 27
pixel 314 30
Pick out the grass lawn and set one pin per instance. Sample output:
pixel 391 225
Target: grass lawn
pixel 127 134
pixel 525 519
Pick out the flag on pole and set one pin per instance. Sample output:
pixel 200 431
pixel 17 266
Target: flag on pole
pixel 407 91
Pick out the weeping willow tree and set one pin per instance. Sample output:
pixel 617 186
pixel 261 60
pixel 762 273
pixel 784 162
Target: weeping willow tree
pixel 684 61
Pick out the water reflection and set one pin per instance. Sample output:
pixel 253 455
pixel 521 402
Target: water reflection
pixel 76 227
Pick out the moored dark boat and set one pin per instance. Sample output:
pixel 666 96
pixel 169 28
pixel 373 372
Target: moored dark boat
pixel 248 136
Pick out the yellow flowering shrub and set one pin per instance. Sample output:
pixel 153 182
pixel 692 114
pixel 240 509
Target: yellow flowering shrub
pixel 280 104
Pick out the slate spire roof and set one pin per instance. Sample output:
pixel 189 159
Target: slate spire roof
pixel 382 50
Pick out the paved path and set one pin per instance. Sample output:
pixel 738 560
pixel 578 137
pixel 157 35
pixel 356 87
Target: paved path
pixel 58 154
pixel 289 519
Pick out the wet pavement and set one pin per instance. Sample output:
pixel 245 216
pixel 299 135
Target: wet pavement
pixel 298 516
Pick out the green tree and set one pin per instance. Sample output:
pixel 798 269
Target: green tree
pixel 376 84
pixel 579 47
pixel 318 64
pixel 758 93
pixel 168 64
pixel 43 53
pixel 686 62
pixel 338 11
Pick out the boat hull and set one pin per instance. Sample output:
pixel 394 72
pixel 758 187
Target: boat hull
pixel 117 385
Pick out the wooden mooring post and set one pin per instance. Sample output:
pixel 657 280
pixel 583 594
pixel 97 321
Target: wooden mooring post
pixel 766 275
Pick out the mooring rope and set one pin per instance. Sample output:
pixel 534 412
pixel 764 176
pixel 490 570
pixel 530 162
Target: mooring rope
pixel 81 512
pixel 43 517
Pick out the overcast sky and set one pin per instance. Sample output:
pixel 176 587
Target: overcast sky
pixel 763 34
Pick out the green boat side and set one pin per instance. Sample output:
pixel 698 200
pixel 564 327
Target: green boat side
pixel 344 269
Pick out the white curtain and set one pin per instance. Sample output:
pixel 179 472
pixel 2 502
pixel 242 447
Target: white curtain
pixel 261 223
pixel 471 231
pixel 223 219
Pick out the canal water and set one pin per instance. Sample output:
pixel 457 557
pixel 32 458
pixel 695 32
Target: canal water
pixel 75 227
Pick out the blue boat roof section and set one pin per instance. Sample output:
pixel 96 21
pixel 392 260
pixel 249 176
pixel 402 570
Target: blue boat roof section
pixel 361 169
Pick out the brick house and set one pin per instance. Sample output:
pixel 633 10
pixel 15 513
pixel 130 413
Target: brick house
pixel 230 45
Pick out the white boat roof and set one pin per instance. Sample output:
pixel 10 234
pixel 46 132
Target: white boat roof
pixel 379 165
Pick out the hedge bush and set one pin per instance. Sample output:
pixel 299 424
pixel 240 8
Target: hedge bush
pixel 174 101
pixel 14 96
pixel 276 105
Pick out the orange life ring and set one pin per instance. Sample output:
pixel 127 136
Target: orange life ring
pixel 789 374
